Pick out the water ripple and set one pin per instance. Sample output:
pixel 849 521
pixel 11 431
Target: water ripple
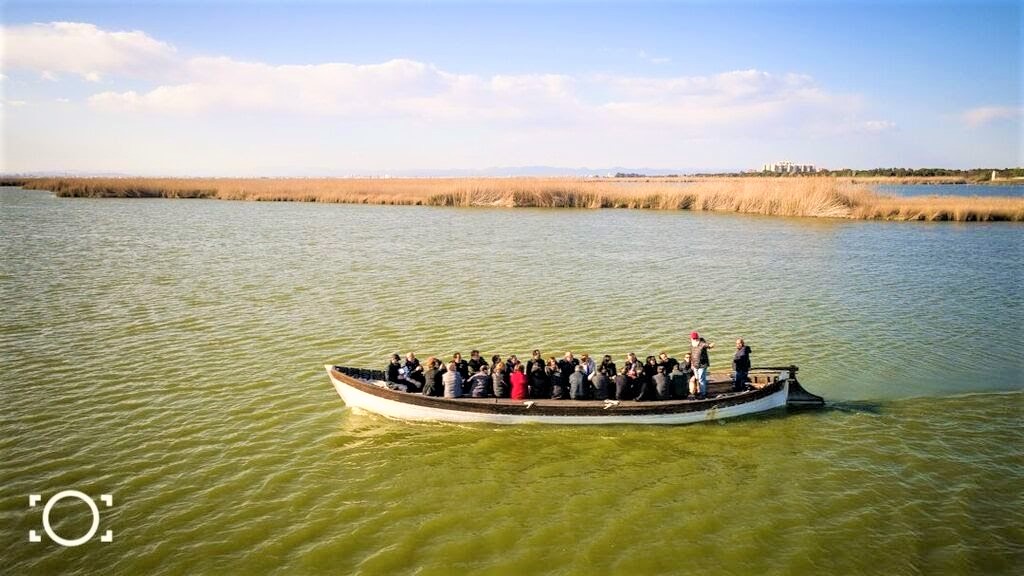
pixel 169 352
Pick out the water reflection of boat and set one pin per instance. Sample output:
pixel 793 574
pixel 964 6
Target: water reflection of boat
pixel 771 388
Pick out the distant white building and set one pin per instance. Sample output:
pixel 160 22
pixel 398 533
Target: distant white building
pixel 786 167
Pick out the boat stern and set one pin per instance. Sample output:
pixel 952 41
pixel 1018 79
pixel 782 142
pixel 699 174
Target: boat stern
pixel 799 397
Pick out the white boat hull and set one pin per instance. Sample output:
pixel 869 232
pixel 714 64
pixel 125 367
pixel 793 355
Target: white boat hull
pixel 377 404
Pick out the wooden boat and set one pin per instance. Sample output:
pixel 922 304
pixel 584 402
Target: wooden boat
pixel 770 388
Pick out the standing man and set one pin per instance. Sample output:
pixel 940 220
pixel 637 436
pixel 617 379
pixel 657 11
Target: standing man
pixel 740 366
pixel 700 362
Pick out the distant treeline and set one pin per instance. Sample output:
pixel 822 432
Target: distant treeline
pixel 972 174
pixel 942 175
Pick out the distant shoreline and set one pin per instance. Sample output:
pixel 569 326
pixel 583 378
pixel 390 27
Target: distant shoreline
pixel 806 196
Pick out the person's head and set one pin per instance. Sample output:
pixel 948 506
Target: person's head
pixel 483 369
pixel 495 359
pixel 499 366
pixel 663 356
pixel 568 355
pixel 520 368
pixel 661 369
pixel 740 344
pixel 410 356
pixel 584 357
pixel 536 354
pixel 431 362
pixel 606 359
pixel 396 358
pixel 631 357
pixel 694 337
pixel 552 361
pixel 579 368
pixel 512 359
pixel 602 371
pixel 452 367
pixel 457 356
pixel 650 359
pixel 687 357
pixel 474 354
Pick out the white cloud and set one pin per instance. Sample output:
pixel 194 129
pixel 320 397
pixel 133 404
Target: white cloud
pixel 411 89
pixel 878 126
pixel 742 101
pixel 83 49
pixel 982 115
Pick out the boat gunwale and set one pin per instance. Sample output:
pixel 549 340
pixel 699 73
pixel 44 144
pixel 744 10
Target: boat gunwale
pixel 557 407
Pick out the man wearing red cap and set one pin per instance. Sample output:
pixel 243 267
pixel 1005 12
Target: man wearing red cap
pixel 700 362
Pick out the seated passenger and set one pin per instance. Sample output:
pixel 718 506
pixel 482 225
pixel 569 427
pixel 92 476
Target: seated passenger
pixel 391 372
pixel 499 387
pixel 475 361
pixel 645 382
pixel 480 383
pixel 538 377
pixel 567 365
pixel 668 362
pixel 662 385
pixel 678 378
pixel 432 386
pixel 578 384
pixel 461 365
pixel 519 390
pixel 600 384
pixel 589 368
pixel 452 380
pixel 609 366
pixel 633 370
pixel 413 373
pixel 556 383
pixel 623 388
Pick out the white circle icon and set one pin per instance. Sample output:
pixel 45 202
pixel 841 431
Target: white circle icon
pixel 70 494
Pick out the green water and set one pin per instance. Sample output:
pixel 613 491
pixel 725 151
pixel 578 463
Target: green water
pixel 170 352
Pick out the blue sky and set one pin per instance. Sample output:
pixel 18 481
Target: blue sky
pixel 332 88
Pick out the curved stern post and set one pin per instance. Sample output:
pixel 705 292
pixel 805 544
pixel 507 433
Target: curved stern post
pixel 798 397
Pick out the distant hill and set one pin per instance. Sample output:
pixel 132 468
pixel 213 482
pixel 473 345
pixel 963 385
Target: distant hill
pixel 322 172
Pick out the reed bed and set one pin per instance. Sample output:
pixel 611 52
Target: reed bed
pixel 821 197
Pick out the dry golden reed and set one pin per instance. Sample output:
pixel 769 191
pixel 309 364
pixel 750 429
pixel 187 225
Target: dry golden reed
pixel 822 197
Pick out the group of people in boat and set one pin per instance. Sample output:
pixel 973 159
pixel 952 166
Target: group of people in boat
pixel 658 377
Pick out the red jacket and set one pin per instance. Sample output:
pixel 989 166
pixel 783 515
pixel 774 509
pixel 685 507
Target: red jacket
pixel 519 390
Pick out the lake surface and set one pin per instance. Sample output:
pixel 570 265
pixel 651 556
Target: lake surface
pixel 170 353
pixel 1013 190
